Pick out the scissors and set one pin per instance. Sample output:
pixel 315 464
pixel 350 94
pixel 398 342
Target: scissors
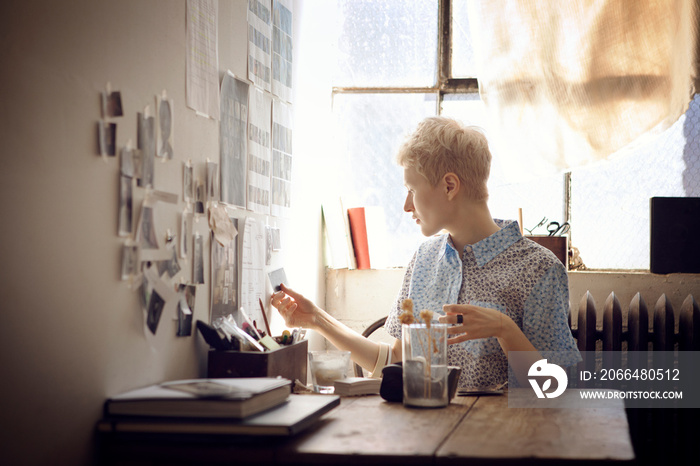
pixel 555 229
pixel 542 222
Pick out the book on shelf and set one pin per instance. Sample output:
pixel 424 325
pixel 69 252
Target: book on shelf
pixel 294 415
pixel 358 230
pixel 338 238
pixel 369 236
pixel 202 398
pixel 353 386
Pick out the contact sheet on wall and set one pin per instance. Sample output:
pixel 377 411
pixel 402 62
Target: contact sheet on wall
pixel 259 142
pixel 281 159
pixel 260 43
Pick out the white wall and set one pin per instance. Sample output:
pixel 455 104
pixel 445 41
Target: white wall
pixel 72 332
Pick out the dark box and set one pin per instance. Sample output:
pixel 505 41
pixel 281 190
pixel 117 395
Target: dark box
pixel 675 237
pixel 289 362
pixel 559 245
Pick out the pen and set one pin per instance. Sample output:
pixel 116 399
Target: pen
pixel 250 322
pixel 262 309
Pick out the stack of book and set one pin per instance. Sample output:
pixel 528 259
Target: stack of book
pixel 227 406
pixel 353 386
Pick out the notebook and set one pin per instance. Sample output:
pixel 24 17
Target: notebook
pixel 295 415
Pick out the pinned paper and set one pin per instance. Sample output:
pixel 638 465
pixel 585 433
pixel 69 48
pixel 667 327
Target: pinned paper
pixel 221 224
pixel 184 316
pixel 165 127
pixel 154 195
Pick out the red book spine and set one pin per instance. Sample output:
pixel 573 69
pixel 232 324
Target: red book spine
pixel 358 230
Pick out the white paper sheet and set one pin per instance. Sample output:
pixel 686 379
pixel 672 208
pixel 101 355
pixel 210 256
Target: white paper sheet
pixel 202 81
pixel 260 43
pixel 252 269
pixel 282 49
pixel 281 183
pixel 259 142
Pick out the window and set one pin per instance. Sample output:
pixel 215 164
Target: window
pixel 399 61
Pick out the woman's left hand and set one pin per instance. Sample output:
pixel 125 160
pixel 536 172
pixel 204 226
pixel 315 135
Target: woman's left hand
pixel 476 322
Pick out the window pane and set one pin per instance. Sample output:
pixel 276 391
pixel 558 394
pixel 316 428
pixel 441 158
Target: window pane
pixel 610 201
pixel 370 129
pixel 463 63
pixel 391 43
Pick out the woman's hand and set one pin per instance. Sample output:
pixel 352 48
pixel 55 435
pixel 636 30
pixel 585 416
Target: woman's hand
pixel 477 322
pixel 296 310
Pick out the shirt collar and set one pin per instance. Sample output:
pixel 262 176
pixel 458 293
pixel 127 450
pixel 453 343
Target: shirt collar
pixel 490 247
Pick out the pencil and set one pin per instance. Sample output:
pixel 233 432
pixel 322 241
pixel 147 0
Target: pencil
pixel 267 325
pixel 520 219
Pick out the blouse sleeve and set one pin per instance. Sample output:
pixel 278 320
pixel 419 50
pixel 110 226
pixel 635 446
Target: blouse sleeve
pixel 545 318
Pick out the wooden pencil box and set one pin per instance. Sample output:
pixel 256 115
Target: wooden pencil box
pixel 289 361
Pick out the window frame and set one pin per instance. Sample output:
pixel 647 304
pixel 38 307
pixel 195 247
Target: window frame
pixel 444 82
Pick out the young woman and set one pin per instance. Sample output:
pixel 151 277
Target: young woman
pixel 501 292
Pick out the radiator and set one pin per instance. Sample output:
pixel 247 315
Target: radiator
pixel 659 435
pixel 640 330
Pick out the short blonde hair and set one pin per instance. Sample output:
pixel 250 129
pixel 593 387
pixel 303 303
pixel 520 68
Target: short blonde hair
pixel 441 145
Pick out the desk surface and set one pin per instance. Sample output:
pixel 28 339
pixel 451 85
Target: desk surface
pixel 372 431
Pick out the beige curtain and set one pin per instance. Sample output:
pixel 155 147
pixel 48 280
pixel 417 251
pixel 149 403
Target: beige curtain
pixel 569 82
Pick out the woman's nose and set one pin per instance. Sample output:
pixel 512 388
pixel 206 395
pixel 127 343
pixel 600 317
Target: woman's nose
pixel 408 204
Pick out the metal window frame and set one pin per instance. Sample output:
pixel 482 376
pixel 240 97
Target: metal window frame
pixel 444 82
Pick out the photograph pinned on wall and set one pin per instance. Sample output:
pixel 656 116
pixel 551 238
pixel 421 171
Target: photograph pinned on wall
pixel 126 160
pixel 275 235
pixel 212 181
pixel 186 224
pixel 224 276
pixel 137 165
pixel 272 243
pixel 111 103
pixel 106 138
pixel 200 192
pixel 145 289
pixel 184 317
pixel 125 205
pixel 190 292
pixel 146 235
pixel 198 260
pixel 130 260
pixel 155 309
pixel 268 245
pixel 164 140
pixel 146 143
pixel 187 182
pixel 170 266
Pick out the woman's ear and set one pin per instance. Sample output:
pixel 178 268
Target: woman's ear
pixel 452 185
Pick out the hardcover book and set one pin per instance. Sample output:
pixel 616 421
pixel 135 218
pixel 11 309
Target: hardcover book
pixel 203 398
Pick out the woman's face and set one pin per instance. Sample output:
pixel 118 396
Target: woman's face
pixel 426 203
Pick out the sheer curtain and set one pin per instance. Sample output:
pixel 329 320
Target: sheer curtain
pixel 566 83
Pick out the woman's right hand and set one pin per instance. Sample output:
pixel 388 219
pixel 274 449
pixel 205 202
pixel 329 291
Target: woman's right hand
pixel 296 310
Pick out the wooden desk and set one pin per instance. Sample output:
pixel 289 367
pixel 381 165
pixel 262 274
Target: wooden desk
pixel 368 430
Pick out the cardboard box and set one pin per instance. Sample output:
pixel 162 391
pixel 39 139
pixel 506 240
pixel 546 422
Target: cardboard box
pixel 289 362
